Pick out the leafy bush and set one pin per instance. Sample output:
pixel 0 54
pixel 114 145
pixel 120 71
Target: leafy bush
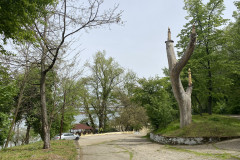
pixel 160 113
pixel 155 96
pixel 220 108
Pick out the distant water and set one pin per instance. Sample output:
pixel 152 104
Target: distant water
pixel 78 118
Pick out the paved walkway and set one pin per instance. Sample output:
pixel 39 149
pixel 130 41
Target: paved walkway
pixel 134 147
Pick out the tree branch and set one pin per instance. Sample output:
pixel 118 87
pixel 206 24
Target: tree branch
pixel 183 61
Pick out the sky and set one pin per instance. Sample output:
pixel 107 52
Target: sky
pixel 139 44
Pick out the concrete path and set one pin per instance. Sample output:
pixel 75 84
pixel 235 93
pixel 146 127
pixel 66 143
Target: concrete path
pixel 134 147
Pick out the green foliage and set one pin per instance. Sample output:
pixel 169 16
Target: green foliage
pixel 30 109
pixel 4 123
pixel 7 90
pixel 230 50
pixel 160 113
pixel 84 121
pixel 15 15
pixel 220 108
pixel 129 115
pixel 132 117
pixel 7 94
pixel 153 95
pixel 105 76
pixel 210 65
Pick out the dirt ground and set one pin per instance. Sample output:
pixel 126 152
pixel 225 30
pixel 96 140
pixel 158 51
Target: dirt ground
pixel 135 147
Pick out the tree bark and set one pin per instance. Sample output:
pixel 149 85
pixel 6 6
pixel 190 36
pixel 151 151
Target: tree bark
pixel 200 105
pixel 209 89
pixel 45 126
pixel 89 113
pixel 27 134
pixel 175 67
pixel 100 125
pixel 63 110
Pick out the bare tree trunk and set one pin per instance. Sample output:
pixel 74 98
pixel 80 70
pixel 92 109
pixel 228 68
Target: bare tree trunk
pixel 200 105
pixel 175 67
pixel 51 115
pixel 100 118
pixel 27 134
pixel 89 114
pixel 17 136
pixel 209 89
pixel 63 109
pixel 104 116
pixel 45 126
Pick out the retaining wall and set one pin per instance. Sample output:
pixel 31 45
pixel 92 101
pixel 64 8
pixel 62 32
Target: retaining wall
pixel 186 140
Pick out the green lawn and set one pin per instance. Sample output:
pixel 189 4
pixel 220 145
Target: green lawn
pixel 61 150
pixel 204 126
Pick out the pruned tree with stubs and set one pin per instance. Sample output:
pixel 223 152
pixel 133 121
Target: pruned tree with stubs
pixel 175 67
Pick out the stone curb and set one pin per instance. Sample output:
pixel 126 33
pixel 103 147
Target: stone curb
pixel 187 140
pixel 78 148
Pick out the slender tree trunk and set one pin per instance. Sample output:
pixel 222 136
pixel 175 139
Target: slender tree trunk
pixel 89 114
pixel 63 110
pixel 209 106
pixel 45 126
pixel 105 117
pixel 27 134
pixel 200 105
pixel 51 116
pixel 209 89
pixel 175 67
pixel 100 118
pixel 17 136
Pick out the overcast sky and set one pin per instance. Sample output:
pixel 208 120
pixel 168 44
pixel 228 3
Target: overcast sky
pixel 139 44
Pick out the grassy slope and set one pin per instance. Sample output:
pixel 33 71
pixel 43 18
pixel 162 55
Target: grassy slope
pixel 62 150
pixel 205 126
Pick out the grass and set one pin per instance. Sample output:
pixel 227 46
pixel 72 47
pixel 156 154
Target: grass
pixel 204 126
pixel 61 149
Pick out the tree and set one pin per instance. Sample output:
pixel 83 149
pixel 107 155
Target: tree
pixel 231 55
pixel 69 91
pixel 7 93
pixel 86 101
pixel 128 115
pixel 104 78
pixel 131 117
pixel 22 83
pixel 205 62
pixel 53 33
pixel 175 67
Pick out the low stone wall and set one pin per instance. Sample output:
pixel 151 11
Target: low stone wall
pixel 186 140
